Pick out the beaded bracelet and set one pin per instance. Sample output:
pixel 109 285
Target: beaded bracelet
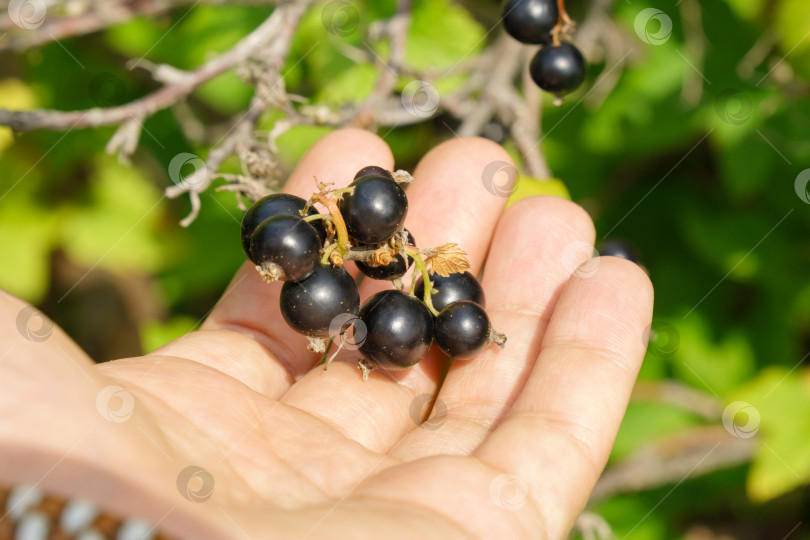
pixel 30 514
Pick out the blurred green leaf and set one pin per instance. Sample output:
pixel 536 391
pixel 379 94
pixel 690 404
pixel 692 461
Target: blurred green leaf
pixel 156 334
pixel 793 24
pixel 529 187
pixel 295 143
pixel 710 364
pixel 747 9
pixel 442 34
pixel 27 234
pixel 630 519
pixel 780 410
pixel 14 95
pixel 353 84
pixel 645 422
pixel 118 226
pixel 28 229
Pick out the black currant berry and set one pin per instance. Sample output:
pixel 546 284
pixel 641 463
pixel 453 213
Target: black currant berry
pixel 462 329
pixel 530 21
pixel 276 204
pixel 310 306
pixel 289 243
pixel 392 270
pixel 373 170
pixel 617 248
pixel 558 68
pixel 375 210
pixel 453 288
pixel 399 330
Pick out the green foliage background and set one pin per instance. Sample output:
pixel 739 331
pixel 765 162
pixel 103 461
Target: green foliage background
pixel 705 191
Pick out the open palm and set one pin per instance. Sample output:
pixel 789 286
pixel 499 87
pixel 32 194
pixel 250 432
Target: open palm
pixel 232 431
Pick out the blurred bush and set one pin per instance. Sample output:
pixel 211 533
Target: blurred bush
pixel 696 164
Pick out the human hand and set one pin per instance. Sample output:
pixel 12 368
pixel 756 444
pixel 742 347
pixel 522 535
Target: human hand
pixel 288 450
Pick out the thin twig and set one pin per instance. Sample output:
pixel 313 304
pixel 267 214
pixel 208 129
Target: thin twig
pixel 102 15
pixel 265 35
pixel 671 460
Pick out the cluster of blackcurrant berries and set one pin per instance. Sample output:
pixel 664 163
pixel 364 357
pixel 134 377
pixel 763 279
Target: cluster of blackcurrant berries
pixel 290 241
pixel 558 67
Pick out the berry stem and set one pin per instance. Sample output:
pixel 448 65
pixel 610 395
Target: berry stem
pixel 414 254
pixel 497 338
pixel 413 284
pixel 334 354
pixel 326 352
pixel 325 217
pixel 327 252
pixel 343 244
pixel 379 257
pixel 564 23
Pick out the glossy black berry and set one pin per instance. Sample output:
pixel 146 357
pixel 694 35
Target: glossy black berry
pixel 462 329
pixel 310 306
pixel 375 210
pixel 276 204
pixel 392 270
pixel 530 21
pixel 558 68
pixel 288 242
pixel 373 170
pixel 399 330
pixel 455 287
pixel 617 248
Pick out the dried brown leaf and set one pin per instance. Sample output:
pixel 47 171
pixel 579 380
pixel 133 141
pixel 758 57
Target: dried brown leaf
pixel 447 259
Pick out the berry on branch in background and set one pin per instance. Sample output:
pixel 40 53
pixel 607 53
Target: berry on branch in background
pixel 558 68
pixel 530 21
pixel 362 222
pixel 393 270
pixel 462 329
pixel 453 288
pixel 373 170
pixel 618 248
pixel 285 247
pixel 399 330
pixel 374 210
pixel 311 305
pixel 275 205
